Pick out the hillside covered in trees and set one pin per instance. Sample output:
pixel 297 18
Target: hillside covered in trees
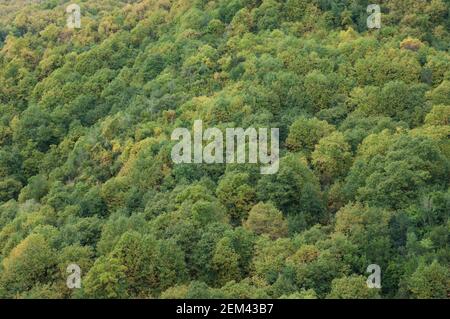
pixel 86 176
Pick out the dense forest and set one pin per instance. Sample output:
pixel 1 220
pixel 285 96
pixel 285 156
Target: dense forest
pixel 86 177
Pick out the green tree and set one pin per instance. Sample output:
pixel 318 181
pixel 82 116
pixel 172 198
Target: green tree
pixel 305 133
pixel 226 262
pixel 331 157
pixel 440 95
pixel 393 173
pixel 266 219
pixel 106 279
pixel 439 115
pixel 295 191
pixel 430 281
pixel 352 287
pixel 31 262
pixel 236 194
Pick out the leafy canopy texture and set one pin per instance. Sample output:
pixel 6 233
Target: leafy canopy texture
pixel 86 175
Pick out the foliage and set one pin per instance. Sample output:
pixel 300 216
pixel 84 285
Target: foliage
pixel 86 175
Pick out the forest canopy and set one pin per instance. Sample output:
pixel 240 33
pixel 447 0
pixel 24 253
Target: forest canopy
pixel 86 177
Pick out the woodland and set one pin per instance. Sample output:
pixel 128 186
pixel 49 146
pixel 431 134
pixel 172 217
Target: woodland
pixel 86 175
